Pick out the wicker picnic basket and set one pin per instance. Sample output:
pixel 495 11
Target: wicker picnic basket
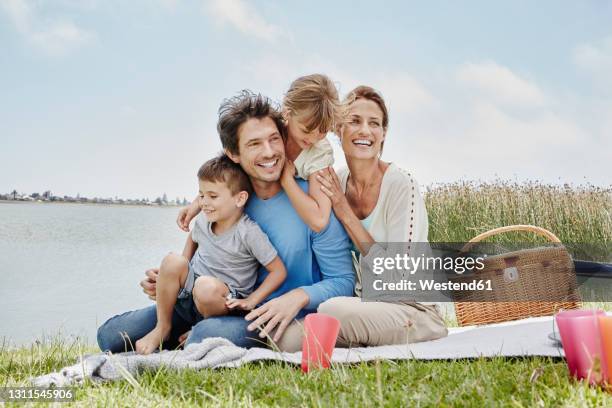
pixel 538 273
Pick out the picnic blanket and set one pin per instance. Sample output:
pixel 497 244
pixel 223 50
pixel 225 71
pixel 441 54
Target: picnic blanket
pixel 527 337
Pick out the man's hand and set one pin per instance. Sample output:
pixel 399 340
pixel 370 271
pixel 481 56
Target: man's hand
pixel 277 312
pixel 149 283
pixel 186 214
pixel 181 220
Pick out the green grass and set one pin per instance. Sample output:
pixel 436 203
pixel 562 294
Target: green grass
pixel 457 212
pixel 481 382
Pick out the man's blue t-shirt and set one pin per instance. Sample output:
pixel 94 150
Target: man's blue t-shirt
pixel 319 263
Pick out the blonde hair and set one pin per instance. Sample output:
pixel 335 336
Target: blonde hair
pixel 316 99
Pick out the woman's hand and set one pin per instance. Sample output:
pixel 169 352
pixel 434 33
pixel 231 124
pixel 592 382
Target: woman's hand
pixel 330 185
pixel 149 283
pixel 288 172
pixel 279 312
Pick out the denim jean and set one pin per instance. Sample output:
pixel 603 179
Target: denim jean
pixel 121 332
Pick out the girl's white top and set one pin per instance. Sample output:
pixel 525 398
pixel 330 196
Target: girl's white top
pixel 317 157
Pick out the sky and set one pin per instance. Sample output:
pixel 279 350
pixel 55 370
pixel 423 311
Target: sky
pixel 119 97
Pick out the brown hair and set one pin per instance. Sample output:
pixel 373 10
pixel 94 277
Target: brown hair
pixel 223 169
pixel 235 111
pixel 315 96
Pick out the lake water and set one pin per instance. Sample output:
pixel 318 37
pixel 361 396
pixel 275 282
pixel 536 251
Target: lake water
pixel 66 268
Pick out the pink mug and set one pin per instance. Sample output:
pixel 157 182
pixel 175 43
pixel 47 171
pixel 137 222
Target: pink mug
pixel 605 330
pixel 579 330
pixel 321 333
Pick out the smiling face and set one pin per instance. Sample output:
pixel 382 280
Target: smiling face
pixel 217 201
pixel 261 150
pixel 296 130
pixel 362 135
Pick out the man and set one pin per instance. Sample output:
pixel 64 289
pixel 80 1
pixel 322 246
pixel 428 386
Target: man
pixel 319 265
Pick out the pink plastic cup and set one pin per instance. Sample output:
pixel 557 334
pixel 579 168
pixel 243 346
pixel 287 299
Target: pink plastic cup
pixel 579 330
pixel 321 333
pixel 605 330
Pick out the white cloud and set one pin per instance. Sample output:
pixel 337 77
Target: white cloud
pixel 499 84
pixel 244 18
pixel 52 36
pixel 596 59
pixel 450 134
pixel 19 11
pixel 274 72
pixel 127 110
pixel 270 73
pixel 60 37
pixel 404 94
pixel 497 131
pixel 443 133
pixel 169 4
pixel 482 141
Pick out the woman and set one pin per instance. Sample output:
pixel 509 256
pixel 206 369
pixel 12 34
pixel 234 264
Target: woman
pixel 376 202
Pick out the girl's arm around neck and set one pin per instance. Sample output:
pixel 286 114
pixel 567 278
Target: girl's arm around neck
pixel 313 208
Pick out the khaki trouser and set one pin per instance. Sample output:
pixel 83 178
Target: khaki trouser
pixel 291 341
pixel 372 324
pixel 382 323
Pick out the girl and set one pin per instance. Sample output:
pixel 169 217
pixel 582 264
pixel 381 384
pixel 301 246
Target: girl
pixel 311 108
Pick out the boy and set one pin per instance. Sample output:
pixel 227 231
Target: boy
pixel 218 268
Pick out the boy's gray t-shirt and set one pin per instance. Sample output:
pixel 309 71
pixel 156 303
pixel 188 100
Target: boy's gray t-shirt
pixel 233 256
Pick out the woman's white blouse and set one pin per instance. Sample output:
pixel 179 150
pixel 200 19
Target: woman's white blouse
pixel 399 215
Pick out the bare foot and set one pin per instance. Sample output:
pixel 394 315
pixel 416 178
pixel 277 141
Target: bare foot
pixel 183 338
pixel 152 341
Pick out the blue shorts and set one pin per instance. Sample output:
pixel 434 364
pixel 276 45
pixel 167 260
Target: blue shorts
pixel 185 306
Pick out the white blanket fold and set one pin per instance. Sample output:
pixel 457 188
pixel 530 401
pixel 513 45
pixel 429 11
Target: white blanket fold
pixel 528 337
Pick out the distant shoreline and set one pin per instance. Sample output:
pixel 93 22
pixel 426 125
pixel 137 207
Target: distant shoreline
pixel 89 203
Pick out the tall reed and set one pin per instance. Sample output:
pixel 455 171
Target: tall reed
pixel 576 214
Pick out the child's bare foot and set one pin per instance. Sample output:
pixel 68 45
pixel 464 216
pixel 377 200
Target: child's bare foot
pixel 152 340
